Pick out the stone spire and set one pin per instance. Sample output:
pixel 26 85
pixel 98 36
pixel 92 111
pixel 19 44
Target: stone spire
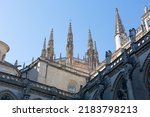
pixel 90 51
pixel 43 54
pixel 119 28
pixel 120 35
pixel 90 41
pixel 50 48
pixel 69 47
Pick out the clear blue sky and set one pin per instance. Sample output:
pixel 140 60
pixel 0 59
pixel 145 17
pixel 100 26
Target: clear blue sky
pixel 25 23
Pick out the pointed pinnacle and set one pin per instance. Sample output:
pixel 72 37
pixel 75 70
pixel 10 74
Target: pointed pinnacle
pixel 51 34
pixel 70 28
pixel 119 28
pixel 44 45
pixel 90 35
pixel 60 56
pixel 95 47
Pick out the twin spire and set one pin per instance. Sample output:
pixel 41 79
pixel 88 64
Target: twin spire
pixel 48 52
pixel 92 53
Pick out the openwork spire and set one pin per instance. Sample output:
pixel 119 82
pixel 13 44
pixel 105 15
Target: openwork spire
pixel 69 47
pixel 70 28
pixel 96 61
pixel 50 49
pixel 90 40
pixel 95 47
pixel 92 54
pixel 119 28
pixel 43 54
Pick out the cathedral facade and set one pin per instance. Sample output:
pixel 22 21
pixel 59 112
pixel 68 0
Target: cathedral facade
pixel 123 75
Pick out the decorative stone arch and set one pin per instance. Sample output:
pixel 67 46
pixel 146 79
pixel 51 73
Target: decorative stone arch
pixel 7 95
pixel 120 88
pixel 98 93
pixel 146 69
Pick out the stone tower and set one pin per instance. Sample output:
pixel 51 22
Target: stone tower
pixel 50 48
pixel 69 47
pixel 120 35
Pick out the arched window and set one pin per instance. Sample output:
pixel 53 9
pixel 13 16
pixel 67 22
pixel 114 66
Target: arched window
pixel 146 69
pixel 120 89
pixel 7 95
pixel 72 86
pixel 147 80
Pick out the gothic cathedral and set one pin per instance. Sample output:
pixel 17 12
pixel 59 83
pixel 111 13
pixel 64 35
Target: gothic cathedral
pixel 123 75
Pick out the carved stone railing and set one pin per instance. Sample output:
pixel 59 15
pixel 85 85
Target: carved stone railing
pixel 9 77
pixel 139 30
pixel 143 40
pixel 116 62
pixel 51 89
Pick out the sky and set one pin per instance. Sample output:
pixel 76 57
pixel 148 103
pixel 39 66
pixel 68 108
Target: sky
pixel 25 23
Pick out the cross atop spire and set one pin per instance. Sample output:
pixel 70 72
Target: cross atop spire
pixel 119 28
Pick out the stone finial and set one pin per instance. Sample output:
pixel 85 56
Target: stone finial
pixel 16 63
pixel 145 9
pixel 24 65
pixel 78 56
pixel 32 59
pixel 132 34
pixel 60 56
pixel 108 57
